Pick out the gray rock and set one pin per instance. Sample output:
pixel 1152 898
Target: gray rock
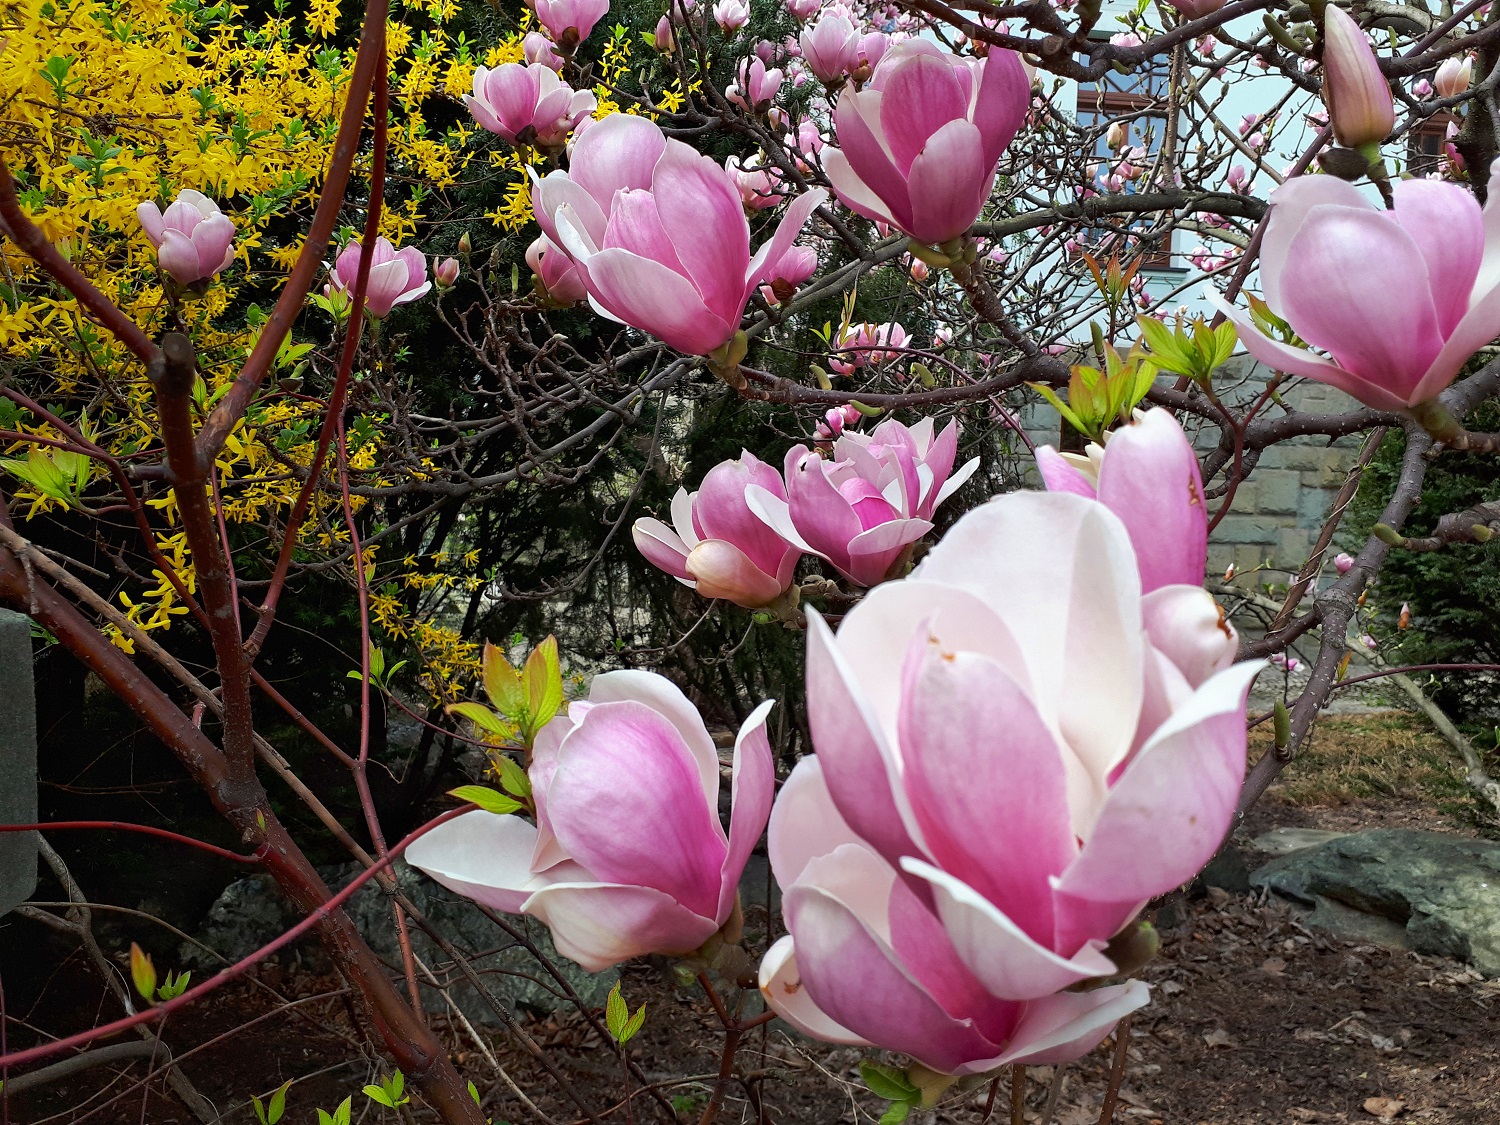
pixel 1285 841
pixel 17 760
pixel 1442 891
pixel 250 912
pixel 1228 871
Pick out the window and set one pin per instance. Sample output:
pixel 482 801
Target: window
pixel 1426 145
pixel 1138 100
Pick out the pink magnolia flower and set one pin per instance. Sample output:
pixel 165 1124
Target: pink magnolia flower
pixel 1358 97
pixel 720 547
pixel 1284 662
pixel 1398 299
pixel 663 40
pixel 1343 562
pixel 919 144
pixel 194 240
pixel 1034 746
pixel 396 276
pixel 556 277
pixel 658 233
pixel 528 104
pixel 797 265
pixel 596 868
pixel 538 50
pixel 568 21
pixel 445 273
pixel 757 185
pixel 835 421
pixel 731 15
pixel 1147 475
pixel 755 86
pixel 1421 88
pixel 873 46
pixel 863 344
pixel 830 48
pixel 867 961
pixel 804 9
pixel 863 507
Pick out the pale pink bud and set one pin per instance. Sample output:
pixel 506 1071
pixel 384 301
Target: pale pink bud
pixel 194 240
pixel 830 48
pixel 664 40
pixel 556 276
pixel 1452 77
pixel 445 273
pixel 1369 642
pixel 804 9
pixel 1421 88
pixel 1118 135
pixel 1343 563
pixel 538 50
pixel 1356 93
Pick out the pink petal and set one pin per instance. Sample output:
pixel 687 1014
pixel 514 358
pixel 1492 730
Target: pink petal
pixel 854 193
pixel 599 925
pixel 635 225
pixel 618 152
pixel 179 257
pixel 1377 322
pixel 1188 626
pixel 1168 813
pixel 1149 477
pixel 1001 104
pixel 705 221
pixel 768 259
pixel 986 781
pixel 722 513
pixel 918 97
pixel 804 823
pixel 997 951
pixel 781 985
pixel 1067 1026
pixel 1479 326
pixel 857 758
pixel 1291 203
pixel 666 699
pixel 751 791
pixel 857 128
pixel 1060 475
pixel 651 297
pixel 823 517
pixel 1060 572
pixel 722 570
pixel 624 767
pixel 948 183
pixel 1445 222
pixel 663 547
pixel 837 918
pixel 554 191
pixel 387 282
pixel 480 856
pixel 151 222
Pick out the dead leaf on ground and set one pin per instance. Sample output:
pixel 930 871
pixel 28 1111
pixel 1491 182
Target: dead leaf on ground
pixel 1218 1037
pixel 1273 965
pixel 1386 1109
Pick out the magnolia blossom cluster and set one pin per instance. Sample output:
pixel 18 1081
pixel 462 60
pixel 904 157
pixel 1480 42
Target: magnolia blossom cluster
pixel 194 240
pixel 860 345
pixel 1017 746
pixel 860 508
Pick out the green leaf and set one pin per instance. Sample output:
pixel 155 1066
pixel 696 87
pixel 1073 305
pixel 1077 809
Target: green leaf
pixel 887 1082
pixel 1061 407
pixel 616 1013
pixel 895 1113
pixel 378 1094
pixel 142 972
pixel 486 798
pixel 502 684
pixel 260 1110
pixel 278 1104
pixel 637 1021
pixel 477 713
pixel 513 778
pixel 544 691
pixel 1226 336
pixel 474 1093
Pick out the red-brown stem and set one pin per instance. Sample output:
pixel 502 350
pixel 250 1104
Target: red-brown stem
pixel 143 829
pixel 1116 1072
pixel 174 405
pixel 345 369
pixel 1018 1095
pixel 232 406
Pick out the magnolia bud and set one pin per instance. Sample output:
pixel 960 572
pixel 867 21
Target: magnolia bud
pixel 1117 135
pixel 1343 563
pixel 1358 98
pixel 445 273
pixel 664 41
pixel 1452 78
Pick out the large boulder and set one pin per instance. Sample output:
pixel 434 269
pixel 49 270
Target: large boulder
pixel 1438 893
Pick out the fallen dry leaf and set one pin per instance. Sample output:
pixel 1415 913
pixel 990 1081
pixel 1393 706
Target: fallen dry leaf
pixel 1218 1037
pixel 1273 965
pixel 1384 1108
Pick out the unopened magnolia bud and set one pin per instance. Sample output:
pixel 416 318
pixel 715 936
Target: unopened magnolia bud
pixel 1358 97
pixel 445 273
pixel 1388 535
pixel 1343 563
pixel 1116 135
pixel 465 247
pixel 1452 78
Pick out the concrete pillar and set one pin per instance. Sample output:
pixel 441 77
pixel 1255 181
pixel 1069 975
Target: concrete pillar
pixel 18 850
